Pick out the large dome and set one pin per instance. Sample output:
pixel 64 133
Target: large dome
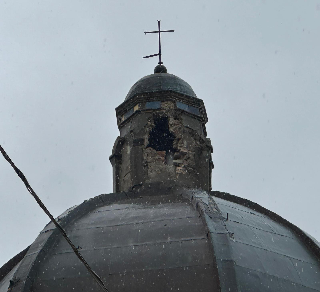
pixel 160 82
pixel 170 241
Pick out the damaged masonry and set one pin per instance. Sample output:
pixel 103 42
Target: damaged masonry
pixel 162 136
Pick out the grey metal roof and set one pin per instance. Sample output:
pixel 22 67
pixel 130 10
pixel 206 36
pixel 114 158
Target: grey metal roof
pixel 160 82
pixel 188 240
pixel 5 282
pixel 265 254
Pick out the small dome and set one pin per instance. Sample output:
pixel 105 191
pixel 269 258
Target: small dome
pixel 160 82
pixel 160 69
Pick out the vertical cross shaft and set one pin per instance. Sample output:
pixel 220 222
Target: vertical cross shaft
pixel 159 31
pixel 159 43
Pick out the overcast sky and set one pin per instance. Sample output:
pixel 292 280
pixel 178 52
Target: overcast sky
pixel 66 65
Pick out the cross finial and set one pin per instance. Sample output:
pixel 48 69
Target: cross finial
pixel 159 32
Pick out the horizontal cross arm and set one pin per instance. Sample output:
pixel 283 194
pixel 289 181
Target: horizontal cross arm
pixel 151 56
pixel 157 31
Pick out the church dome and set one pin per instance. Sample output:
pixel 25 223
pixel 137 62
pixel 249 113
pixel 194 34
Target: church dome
pixel 163 229
pixel 160 82
pixel 166 240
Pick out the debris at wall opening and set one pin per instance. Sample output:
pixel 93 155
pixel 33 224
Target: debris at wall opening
pixel 160 138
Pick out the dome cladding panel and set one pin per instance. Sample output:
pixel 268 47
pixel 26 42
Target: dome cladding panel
pixel 155 241
pixel 161 82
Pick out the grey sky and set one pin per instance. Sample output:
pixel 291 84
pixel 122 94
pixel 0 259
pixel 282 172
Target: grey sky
pixel 65 66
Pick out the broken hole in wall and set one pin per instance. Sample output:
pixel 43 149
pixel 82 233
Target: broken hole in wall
pixel 160 137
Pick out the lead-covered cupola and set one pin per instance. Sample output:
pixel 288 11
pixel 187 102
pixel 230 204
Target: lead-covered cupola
pixel 162 136
pixel 161 80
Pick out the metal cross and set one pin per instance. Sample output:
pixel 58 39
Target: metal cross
pixel 159 32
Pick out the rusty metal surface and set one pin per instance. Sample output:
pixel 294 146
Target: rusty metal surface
pixel 160 82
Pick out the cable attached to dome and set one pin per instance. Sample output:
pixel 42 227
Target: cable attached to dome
pixel 59 227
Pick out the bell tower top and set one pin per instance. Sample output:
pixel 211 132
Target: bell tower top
pixel 162 140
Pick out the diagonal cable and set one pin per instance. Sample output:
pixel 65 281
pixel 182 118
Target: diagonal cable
pixel 58 226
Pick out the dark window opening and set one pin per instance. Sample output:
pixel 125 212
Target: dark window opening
pixel 194 110
pixel 153 105
pixel 188 108
pixel 129 113
pixel 160 138
pixel 182 106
